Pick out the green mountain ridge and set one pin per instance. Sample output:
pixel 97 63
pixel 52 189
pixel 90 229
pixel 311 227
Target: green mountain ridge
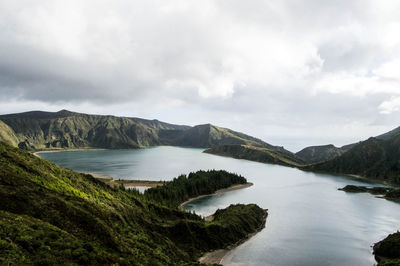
pixel 257 154
pixel 373 158
pixel 54 216
pixel 39 130
pixel 316 154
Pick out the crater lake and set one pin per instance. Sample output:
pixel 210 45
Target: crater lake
pixel 310 222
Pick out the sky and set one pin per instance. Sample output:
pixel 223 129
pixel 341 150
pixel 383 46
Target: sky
pixel 294 73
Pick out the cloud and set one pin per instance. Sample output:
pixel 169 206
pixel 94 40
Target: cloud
pixel 271 68
pixel 390 106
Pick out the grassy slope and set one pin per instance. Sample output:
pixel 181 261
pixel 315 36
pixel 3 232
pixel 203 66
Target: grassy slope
pixel 50 215
pixel 257 154
pixel 206 136
pixel 80 130
pixel 374 158
pixel 316 154
pixel 64 129
pixel 7 135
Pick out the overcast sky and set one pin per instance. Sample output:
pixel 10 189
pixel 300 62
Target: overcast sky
pixel 293 73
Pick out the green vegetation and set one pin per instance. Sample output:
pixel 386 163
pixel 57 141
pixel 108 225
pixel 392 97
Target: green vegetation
pixel 195 184
pixel 387 251
pixel 64 129
pixel 354 189
pixel 316 154
pixel 374 158
pixel 386 192
pixel 204 136
pixel 7 135
pixel 50 215
pixel 258 154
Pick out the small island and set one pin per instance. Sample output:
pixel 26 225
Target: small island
pixel 384 192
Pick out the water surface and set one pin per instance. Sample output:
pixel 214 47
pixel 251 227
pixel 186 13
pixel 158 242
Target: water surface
pixel 309 222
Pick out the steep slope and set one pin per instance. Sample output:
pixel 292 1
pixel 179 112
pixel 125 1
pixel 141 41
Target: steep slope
pixel 389 134
pixel 7 135
pixel 263 155
pixel 54 216
pixel 204 136
pixel 373 158
pixel 73 130
pixel 315 154
pixel 64 129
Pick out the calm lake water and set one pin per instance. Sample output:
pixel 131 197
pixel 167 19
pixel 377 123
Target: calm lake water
pixel 310 222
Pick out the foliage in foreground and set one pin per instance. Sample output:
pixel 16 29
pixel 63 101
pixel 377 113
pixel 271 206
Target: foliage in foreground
pixel 51 215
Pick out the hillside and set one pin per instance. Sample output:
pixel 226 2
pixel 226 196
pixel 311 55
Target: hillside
pixel 7 135
pixel 263 155
pixel 64 129
pixel 389 134
pixel 50 215
pixel 204 136
pixel 316 154
pixel 373 158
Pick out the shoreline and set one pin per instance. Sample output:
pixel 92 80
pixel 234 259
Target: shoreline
pixel 216 256
pixel 36 153
pixel 371 180
pixel 218 192
pixel 112 181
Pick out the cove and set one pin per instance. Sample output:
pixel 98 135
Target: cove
pixel 309 222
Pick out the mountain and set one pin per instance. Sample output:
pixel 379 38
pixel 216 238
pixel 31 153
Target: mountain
pixel 374 158
pixel 258 154
pixel 389 134
pixel 39 130
pixel 209 136
pixel 54 216
pixel 316 154
pixel 7 134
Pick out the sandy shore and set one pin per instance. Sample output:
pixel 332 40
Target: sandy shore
pixel 234 187
pixel 36 153
pixel 112 181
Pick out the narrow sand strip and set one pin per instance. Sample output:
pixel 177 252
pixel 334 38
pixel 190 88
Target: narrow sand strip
pixel 221 191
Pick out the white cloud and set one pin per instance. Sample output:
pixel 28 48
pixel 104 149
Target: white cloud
pixel 389 70
pixel 285 65
pixel 390 106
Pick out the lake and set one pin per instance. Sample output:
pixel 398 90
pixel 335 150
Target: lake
pixel 310 222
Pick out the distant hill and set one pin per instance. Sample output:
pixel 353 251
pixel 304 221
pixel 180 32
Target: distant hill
pixel 258 154
pixel 54 216
pixel 374 158
pixel 389 134
pixel 315 154
pixel 39 130
pixel 210 136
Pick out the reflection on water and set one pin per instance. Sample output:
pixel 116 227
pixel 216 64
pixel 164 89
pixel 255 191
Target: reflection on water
pixel 309 222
